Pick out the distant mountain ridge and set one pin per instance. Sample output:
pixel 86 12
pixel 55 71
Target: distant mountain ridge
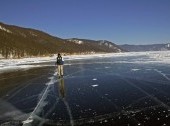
pixel 16 42
pixel 103 45
pixel 140 48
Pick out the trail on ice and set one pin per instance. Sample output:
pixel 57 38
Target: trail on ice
pixel 42 103
pixel 146 93
pixel 163 74
pixel 18 89
pixel 69 112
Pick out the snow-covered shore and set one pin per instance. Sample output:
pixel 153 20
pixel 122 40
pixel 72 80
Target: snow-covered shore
pixel 26 63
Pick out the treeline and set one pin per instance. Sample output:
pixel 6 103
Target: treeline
pixel 22 42
pixel 12 46
pixel 10 52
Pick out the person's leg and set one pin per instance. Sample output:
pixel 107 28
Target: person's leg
pixel 58 70
pixel 62 73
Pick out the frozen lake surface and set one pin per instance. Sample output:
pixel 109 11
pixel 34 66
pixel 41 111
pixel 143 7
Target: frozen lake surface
pixel 121 90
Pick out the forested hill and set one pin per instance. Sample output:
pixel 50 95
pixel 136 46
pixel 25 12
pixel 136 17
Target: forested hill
pixel 16 42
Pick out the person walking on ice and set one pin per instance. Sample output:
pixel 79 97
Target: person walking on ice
pixel 60 64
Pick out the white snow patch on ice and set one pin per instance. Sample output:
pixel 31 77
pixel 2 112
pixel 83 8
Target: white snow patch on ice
pixel 95 85
pixel 29 120
pixel 52 79
pixel 94 79
pixel 135 69
pixel 25 63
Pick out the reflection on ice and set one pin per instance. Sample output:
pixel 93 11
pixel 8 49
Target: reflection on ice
pixel 50 103
pixel 62 94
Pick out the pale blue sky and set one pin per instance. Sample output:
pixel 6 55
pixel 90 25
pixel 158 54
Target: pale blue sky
pixel 119 21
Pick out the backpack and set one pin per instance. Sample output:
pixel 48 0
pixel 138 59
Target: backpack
pixel 60 61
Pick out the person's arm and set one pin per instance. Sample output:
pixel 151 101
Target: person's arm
pixel 62 61
pixel 56 61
